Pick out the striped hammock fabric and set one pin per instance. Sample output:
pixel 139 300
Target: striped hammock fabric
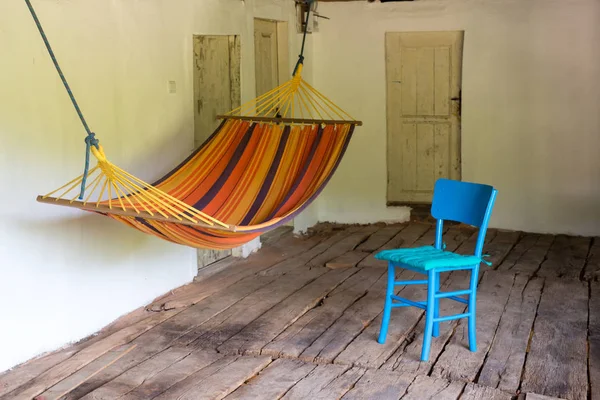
pixel 247 178
pixel 266 162
pixel 251 176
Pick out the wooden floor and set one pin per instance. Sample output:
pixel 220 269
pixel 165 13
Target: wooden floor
pixel 299 320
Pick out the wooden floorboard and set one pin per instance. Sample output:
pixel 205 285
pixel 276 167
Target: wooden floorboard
pixel 302 333
pixel 380 385
pixel 428 388
pixel 300 319
pixel 556 363
pixel 457 362
pixel 566 257
pixel 528 255
pixel 504 363
pixel 592 267
pixel 274 381
pixel 269 325
pixel 594 339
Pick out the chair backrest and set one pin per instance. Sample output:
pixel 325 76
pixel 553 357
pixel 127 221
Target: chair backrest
pixel 466 202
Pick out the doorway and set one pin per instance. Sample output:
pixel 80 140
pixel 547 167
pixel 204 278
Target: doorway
pixel 423 74
pixel 217 88
pixel 270 54
pixel 216 91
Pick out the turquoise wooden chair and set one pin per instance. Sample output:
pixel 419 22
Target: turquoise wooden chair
pixel 469 203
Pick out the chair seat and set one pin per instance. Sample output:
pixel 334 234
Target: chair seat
pixel 428 257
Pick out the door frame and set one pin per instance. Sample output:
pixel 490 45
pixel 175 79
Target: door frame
pixel 456 164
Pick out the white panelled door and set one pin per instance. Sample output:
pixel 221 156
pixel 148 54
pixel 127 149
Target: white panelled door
pixel 423 73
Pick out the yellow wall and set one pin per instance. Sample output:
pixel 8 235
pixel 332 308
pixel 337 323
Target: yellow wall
pixel 64 275
pixel 531 95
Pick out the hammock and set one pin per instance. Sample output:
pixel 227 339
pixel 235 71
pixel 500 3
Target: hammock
pixel 265 163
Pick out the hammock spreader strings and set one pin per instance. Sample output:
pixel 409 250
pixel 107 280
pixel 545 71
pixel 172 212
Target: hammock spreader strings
pixel 120 192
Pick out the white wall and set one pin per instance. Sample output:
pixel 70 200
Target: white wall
pixel 64 274
pixel 531 101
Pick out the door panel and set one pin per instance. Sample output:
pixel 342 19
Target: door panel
pixel 216 91
pixel 423 72
pixel 266 55
pixel 216 82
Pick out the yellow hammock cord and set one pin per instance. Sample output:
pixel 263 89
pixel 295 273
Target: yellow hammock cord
pixel 112 190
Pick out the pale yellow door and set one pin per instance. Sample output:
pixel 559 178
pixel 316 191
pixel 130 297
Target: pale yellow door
pixel 216 81
pixel 216 91
pixel 423 73
pixel 266 57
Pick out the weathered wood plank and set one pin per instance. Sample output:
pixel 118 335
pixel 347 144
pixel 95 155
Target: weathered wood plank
pixel 468 246
pixel 557 360
pixel 347 260
pixel 381 237
pixel 405 238
pixel 137 375
pixel 457 362
pixel 380 385
pixel 228 323
pixel 10 380
pixel 274 381
pixel 500 246
pixel 504 363
pixel 407 358
pixel 456 236
pixel 566 257
pixel 217 380
pixel 345 245
pixel 592 267
pixel 175 328
pixel 325 382
pixel 533 396
pixel 86 356
pixel 427 388
pixel 365 351
pixel 477 392
pixel 66 385
pixel 528 254
pixel 252 338
pixel 594 339
pixel 302 333
pixel 175 373
pixel 27 371
pixel 304 259
pixel 352 322
pixel 269 257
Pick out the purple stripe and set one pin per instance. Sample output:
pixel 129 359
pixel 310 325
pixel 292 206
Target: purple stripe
pixel 194 153
pixel 302 173
pixel 266 187
pixel 317 193
pixel 145 223
pixel 218 185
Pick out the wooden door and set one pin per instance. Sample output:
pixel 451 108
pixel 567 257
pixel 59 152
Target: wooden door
pixel 266 58
pixel 216 91
pixel 423 73
pixel 216 81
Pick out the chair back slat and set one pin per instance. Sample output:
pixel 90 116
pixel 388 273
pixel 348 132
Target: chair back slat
pixel 466 202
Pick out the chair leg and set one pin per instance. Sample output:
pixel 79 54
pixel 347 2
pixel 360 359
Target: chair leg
pixel 473 310
pixel 436 306
pixel 387 309
pixel 429 315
